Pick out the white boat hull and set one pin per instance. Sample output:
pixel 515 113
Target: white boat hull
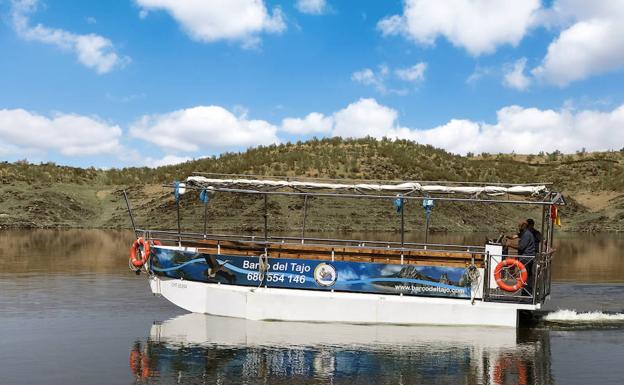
pixel 314 306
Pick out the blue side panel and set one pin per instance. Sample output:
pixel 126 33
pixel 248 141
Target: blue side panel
pixel 312 274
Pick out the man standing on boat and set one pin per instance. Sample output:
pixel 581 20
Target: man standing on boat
pixel 527 245
pixel 526 242
pixel 537 236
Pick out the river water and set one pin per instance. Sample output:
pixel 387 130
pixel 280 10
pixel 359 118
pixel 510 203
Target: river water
pixel 71 312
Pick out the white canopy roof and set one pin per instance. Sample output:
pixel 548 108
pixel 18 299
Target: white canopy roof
pixel 403 187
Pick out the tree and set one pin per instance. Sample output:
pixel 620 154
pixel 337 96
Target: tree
pixel 554 155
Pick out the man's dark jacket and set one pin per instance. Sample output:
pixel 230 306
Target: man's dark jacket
pixel 526 243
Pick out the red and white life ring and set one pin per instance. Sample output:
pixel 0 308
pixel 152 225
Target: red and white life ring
pixel 520 281
pixel 138 257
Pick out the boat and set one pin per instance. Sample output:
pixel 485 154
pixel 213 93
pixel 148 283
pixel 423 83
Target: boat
pixel 315 279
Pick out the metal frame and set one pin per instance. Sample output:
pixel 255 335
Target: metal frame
pixel 539 264
pixel 301 192
pixel 172 236
pixel 536 291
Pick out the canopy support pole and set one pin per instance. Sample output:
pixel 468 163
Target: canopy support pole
pixel 544 235
pixel 266 220
pixel 305 214
pixel 179 227
pixel 129 211
pixel 402 224
pixel 205 218
pixel 551 229
pixel 428 214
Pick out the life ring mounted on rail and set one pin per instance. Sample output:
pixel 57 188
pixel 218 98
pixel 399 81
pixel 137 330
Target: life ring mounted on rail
pixel 139 252
pixel 521 279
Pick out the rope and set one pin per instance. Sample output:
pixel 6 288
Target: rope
pixel 136 269
pixel 133 268
pixel 263 266
pixel 146 265
pixel 475 281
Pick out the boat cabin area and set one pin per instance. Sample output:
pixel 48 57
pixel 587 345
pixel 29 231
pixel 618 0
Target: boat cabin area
pixel 532 273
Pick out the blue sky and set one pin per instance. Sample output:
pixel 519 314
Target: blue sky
pixel 150 82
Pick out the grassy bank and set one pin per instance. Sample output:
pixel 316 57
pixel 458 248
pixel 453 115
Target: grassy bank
pixel 48 195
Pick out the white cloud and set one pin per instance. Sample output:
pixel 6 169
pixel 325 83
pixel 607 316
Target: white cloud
pixel 392 25
pixel 93 51
pixel 167 160
pixel 379 79
pixel 415 73
pixel 457 136
pixel 312 7
pixel 515 77
pixel 313 123
pixel 69 134
pixel 365 117
pixel 209 21
pixel 589 42
pixel 530 130
pixel 478 73
pixel 524 130
pixel 368 77
pixel 365 76
pixel 516 129
pixel 206 128
pixel 479 26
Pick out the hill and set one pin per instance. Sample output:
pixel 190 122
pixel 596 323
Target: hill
pixel 49 195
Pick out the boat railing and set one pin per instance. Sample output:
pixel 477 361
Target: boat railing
pixel 185 237
pixel 535 290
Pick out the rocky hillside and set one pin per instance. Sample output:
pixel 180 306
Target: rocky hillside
pixel 48 195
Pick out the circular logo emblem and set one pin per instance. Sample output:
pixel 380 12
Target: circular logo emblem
pixel 325 274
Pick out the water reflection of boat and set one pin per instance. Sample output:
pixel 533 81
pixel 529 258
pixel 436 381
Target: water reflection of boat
pixel 341 280
pixel 195 348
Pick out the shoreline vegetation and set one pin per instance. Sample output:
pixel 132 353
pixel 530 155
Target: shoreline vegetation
pixel 51 196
